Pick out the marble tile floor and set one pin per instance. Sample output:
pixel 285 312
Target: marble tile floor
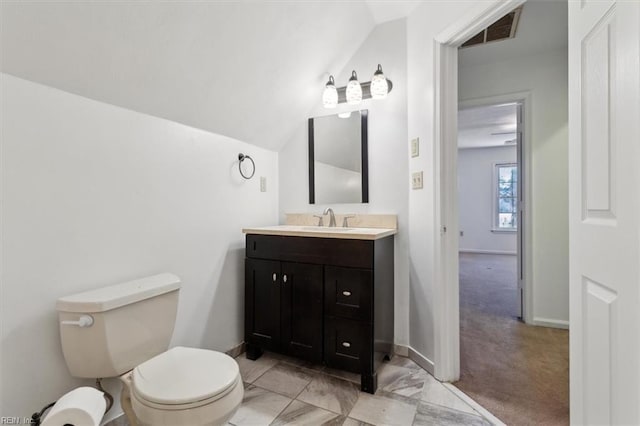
pixel 285 391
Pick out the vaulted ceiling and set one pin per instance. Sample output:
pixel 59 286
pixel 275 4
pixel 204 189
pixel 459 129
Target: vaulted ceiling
pixel 248 70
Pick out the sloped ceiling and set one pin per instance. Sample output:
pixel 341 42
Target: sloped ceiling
pixel 247 70
pixel 389 10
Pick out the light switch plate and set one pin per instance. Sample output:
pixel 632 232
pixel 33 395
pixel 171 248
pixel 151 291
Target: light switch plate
pixel 416 180
pixel 415 147
pixel 263 184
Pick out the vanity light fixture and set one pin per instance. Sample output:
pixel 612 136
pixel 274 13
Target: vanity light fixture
pixel 354 92
pixel 330 94
pixel 379 86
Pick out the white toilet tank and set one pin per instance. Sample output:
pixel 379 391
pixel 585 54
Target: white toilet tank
pixel 131 323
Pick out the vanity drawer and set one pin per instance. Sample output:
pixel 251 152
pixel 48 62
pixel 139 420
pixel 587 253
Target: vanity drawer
pixel 321 251
pixel 348 293
pixel 348 344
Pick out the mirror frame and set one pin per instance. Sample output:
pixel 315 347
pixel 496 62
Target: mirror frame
pixel 364 154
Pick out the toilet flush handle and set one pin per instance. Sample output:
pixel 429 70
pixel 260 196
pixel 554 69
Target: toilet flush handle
pixel 83 321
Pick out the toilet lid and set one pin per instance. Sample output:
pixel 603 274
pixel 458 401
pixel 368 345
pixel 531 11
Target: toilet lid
pixel 184 375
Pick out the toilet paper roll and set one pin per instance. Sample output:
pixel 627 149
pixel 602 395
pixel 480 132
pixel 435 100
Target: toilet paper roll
pixel 83 406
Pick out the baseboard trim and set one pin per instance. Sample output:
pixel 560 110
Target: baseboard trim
pixel 401 350
pixel 479 408
pixel 421 360
pixel 510 253
pixel 236 350
pixel 548 322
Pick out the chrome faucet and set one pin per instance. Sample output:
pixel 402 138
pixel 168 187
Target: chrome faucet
pixel 332 217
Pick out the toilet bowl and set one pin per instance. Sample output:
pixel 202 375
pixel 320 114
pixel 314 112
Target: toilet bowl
pixel 124 331
pixel 185 386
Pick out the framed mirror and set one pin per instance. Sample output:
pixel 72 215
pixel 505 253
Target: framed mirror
pixel 338 158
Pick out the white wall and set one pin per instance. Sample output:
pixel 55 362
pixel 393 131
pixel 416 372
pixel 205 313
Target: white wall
pixel 545 76
pixel 95 194
pixel 423 25
pixel 388 153
pixel 476 195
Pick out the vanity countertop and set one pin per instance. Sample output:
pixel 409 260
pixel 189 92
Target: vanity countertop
pixel 323 232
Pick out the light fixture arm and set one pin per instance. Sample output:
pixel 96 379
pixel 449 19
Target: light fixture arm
pixel 366 91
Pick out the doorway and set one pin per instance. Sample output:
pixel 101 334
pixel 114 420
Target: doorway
pixel 480 81
pixel 505 364
pixel 492 184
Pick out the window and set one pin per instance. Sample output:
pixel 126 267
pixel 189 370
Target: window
pixel 506 184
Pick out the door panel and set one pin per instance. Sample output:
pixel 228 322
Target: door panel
pixel 302 289
pixel 598 94
pixel 604 116
pixel 262 303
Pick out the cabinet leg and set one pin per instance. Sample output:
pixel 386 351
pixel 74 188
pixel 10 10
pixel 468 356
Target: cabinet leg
pixel 253 352
pixel 369 383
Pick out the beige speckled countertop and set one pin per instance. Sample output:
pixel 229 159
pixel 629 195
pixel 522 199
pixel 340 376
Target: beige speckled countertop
pixel 323 232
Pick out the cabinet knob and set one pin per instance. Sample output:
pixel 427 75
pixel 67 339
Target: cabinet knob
pixel 346 344
pixel 346 293
pixel 284 278
pixel 275 277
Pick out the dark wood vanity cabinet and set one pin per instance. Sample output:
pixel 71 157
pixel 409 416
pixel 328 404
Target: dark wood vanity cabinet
pixel 324 300
pixel 283 311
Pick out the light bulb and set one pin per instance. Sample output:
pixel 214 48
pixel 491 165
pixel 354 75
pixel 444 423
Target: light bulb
pixel 354 90
pixel 379 86
pixel 330 94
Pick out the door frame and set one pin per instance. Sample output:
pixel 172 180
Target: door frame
pixel 524 252
pixel 446 291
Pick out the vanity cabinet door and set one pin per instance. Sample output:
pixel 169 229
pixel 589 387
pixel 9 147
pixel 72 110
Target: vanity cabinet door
pixel 302 290
pixel 263 280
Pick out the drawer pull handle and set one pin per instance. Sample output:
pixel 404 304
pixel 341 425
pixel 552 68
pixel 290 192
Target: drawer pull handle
pixel 284 278
pixel 346 344
pixel 346 293
pixel 275 277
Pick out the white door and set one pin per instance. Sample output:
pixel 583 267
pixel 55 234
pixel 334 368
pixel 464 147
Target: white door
pixel 604 187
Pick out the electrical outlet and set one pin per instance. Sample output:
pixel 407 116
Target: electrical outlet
pixel 415 147
pixel 263 184
pixel 416 180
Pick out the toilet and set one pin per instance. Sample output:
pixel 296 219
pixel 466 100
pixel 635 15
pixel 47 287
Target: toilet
pixel 124 331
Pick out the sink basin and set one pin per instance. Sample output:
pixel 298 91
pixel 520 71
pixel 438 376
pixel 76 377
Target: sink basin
pixel 325 229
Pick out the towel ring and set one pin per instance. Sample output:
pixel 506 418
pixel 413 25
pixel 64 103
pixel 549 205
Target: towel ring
pixel 241 158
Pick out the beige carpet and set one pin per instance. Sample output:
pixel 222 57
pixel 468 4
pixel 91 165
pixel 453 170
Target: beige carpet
pixel 520 373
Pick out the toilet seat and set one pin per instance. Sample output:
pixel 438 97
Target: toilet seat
pixel 183 378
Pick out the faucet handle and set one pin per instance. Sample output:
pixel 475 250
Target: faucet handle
pixel 345 219
pixel 320 219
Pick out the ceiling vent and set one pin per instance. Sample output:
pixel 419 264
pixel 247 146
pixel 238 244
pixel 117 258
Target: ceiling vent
pixel 503 29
